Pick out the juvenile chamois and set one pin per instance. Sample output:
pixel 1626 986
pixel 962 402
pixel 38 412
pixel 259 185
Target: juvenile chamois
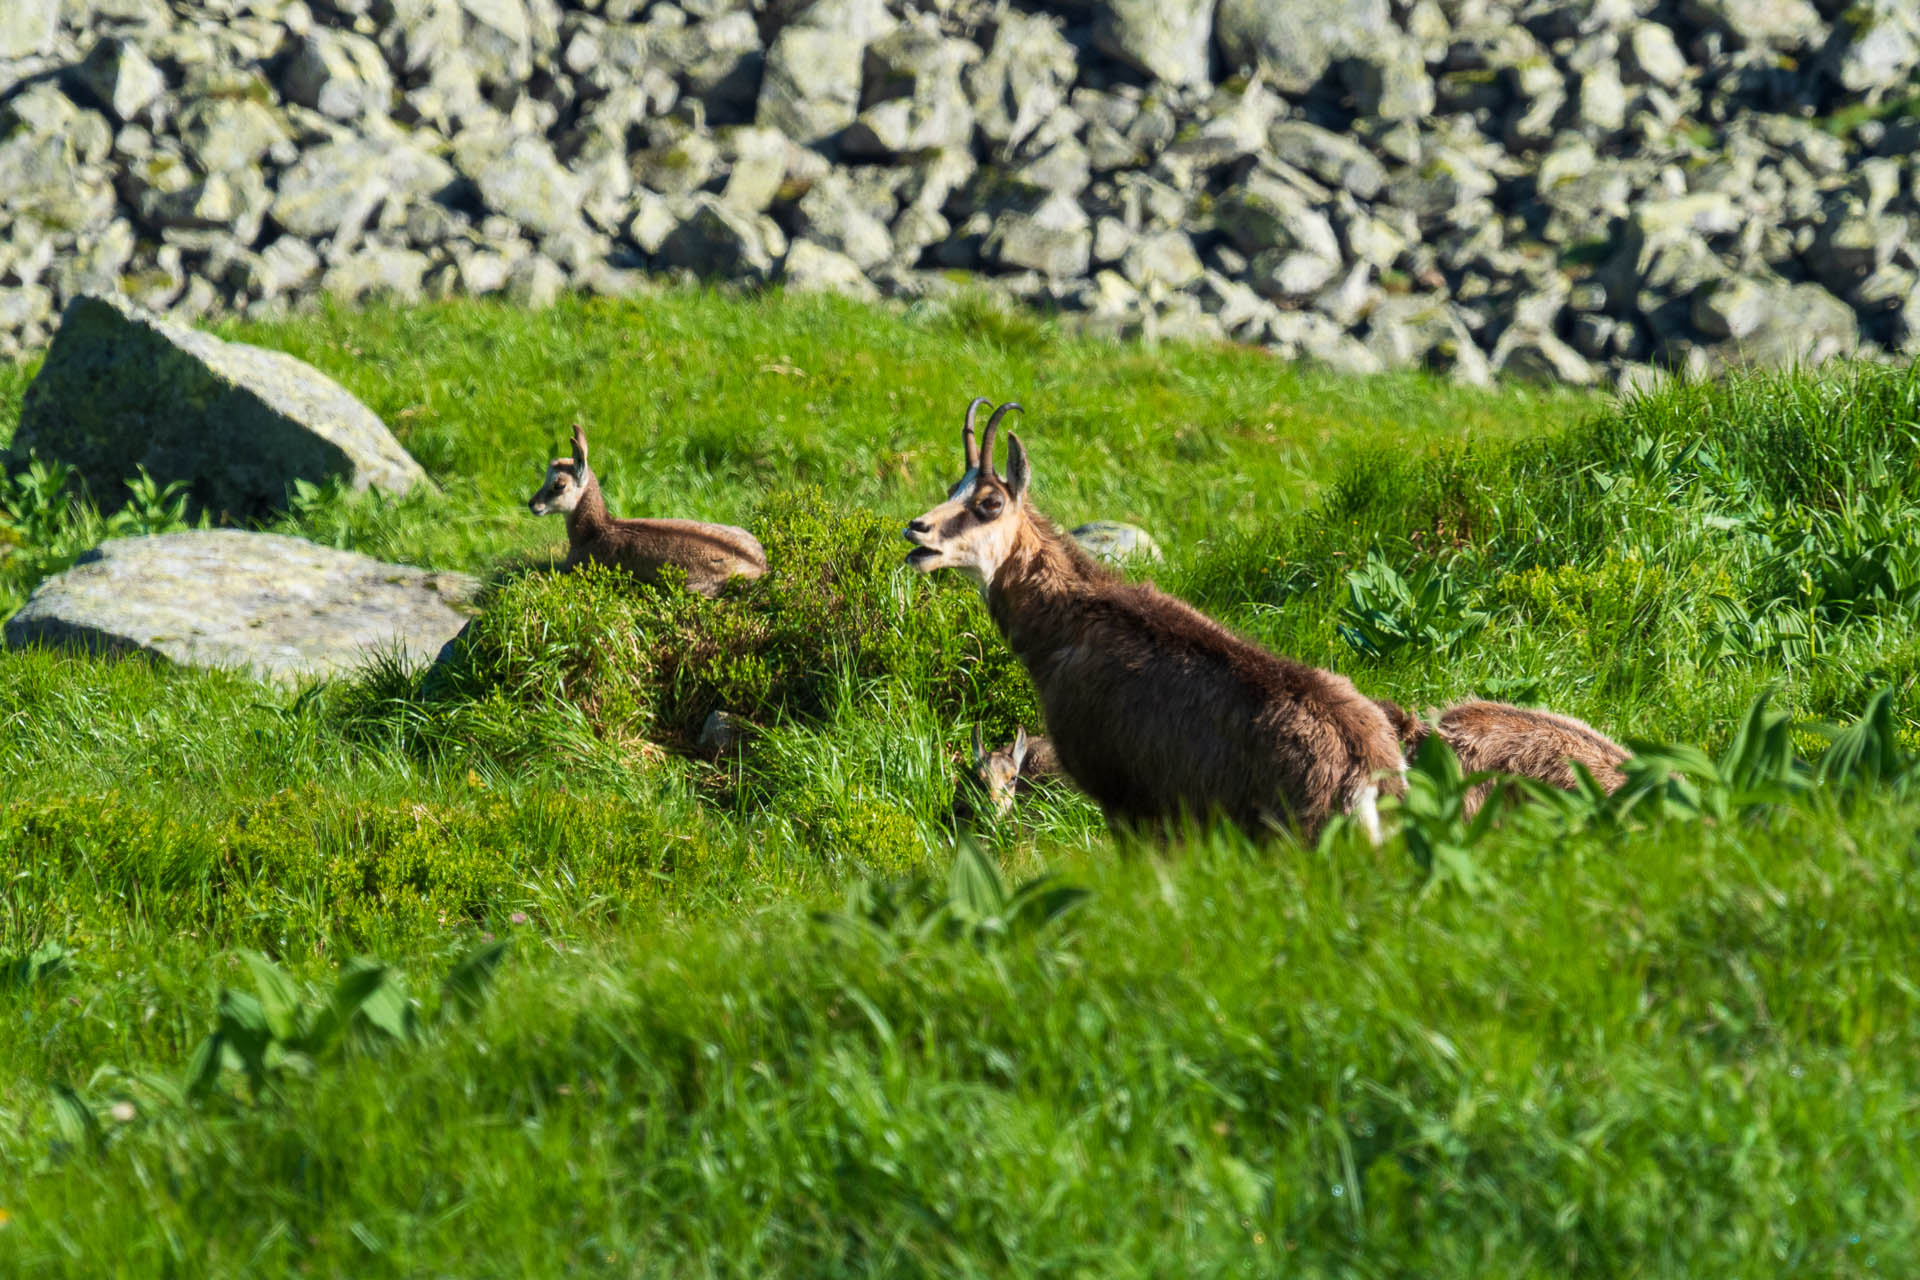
pixel 710 553
pixel 1010 771
pixel 1155 710
pixel 1499 738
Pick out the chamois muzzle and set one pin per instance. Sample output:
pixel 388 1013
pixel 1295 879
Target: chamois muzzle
pixel 917 532
pixel 963 532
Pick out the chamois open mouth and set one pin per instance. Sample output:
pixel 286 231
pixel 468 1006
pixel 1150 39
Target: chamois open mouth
pixel 921 554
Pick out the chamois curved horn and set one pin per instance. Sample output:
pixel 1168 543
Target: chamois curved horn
pixel 966 432
pixel 986 441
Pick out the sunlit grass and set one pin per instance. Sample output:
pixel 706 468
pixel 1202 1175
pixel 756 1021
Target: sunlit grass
pixel 726 1041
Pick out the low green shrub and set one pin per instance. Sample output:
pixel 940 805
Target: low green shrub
pixel 591 665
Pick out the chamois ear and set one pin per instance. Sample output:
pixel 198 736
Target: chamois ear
pixel 579 446
pixel 1018 474
pixel 1019 747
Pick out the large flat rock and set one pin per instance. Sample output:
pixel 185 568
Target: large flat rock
pixel 122 388
pixel 283 608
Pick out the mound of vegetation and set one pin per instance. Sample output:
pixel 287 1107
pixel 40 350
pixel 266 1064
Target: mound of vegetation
pixel 853 681
pixel 564 659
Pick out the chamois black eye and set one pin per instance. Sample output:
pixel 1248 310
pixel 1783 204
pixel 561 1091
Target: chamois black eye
pixel 987 505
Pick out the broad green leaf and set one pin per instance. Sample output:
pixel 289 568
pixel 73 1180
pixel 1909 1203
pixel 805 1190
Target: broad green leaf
pixel 386 1006
pixel 203 1069
pixel 465 986
pixel 279 997
pixel 73 1119
pixel 975 885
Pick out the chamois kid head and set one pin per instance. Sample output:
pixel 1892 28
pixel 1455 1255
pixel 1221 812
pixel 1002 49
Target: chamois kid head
pixel 976 527
pixel 998 772
pixel 567 480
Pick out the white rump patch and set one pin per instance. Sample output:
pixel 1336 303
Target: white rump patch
pixel 1366 807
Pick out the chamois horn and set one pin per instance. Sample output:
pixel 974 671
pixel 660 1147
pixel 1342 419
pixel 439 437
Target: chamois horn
pixel 986 440
pixel 966 432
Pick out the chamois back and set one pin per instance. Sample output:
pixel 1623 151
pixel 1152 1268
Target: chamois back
pixel 1526 742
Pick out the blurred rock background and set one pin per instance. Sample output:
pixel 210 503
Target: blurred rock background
pixel 1570 190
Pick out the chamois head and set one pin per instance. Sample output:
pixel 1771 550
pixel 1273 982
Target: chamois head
pixel 975 528
pixel 998 771
pixel 567 479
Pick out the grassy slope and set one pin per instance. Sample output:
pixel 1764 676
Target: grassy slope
pixel 1682 1049
pixel 697 405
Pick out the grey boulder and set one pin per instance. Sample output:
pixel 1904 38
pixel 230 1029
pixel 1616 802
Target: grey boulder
pixel 281 608
pixel 716 240
pixel 1878 46
pixel 811 87
pixel 1166 39
pixel 1054 239
pixel 1112 540
pixel 28 27
pixel 122 389
pixel 1297 41
pixel 1778 24
pixel 339 184
pixel 912 100
pixel 120 78
pixel 1785 324
pixel 339 74
pixel 527 184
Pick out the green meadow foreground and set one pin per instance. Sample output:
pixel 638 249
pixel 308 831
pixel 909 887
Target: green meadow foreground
pixel 490 975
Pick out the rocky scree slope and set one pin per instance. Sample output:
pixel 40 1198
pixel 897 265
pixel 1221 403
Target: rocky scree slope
pixel 1567 190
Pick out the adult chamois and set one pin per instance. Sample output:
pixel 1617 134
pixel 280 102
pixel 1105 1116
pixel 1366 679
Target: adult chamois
pixel 1156 711
pixel 710 554
pixel 1496 737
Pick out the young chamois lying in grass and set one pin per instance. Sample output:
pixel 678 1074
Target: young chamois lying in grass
pixel 1010 771
pixel 1498 738
pixel 1155 710
pixel 710 553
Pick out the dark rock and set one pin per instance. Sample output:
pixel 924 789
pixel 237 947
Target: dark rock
pixel 122 389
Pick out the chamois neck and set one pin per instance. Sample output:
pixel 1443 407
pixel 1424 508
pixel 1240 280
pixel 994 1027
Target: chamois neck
pixel 1043 567
pixel 590 513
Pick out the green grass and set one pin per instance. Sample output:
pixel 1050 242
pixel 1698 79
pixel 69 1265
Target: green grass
pixel 749 1023
pixel 699 405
